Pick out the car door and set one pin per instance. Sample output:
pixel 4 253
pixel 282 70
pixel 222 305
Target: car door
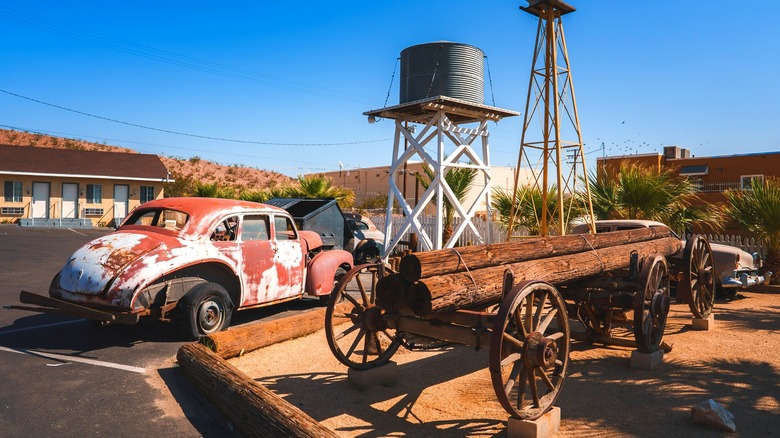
pixel 268 271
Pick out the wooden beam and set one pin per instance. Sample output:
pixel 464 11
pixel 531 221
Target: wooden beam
pixel 252 408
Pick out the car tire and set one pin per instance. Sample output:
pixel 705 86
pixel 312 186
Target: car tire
pixel 204 310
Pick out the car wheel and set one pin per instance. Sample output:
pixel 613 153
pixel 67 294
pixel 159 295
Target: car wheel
pixel 204 310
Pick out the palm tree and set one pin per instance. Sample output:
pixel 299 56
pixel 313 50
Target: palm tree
pixel 528 206
pixel 213 190
pixel 757 210
pixel 604 193
pixel 320 186
pixel 638 192
pixel 263 195
pixel 460 180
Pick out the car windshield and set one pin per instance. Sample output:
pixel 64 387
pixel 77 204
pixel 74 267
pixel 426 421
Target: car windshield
pixel 158 217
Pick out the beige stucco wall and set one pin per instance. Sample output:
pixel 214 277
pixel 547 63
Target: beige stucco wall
pixel 374 181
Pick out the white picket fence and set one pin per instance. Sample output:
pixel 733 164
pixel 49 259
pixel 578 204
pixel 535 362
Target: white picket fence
pixel 428 222
pixel 748 244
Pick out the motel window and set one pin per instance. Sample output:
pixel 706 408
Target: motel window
pixel 94 194
pixel 147 193
pixel 13 191
pixel 746 181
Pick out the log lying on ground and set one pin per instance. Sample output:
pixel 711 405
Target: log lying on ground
pixel 447 261
pixel 483 287
pixel 240 340
pixel 253 409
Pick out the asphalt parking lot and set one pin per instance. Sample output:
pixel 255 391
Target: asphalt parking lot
pixel 66 377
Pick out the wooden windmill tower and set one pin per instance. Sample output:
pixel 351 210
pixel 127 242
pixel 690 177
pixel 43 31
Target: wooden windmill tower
pixel 551 141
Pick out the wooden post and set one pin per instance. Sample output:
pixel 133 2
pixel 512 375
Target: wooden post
pixel 252 408
pixel 240 340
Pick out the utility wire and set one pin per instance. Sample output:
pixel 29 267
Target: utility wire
pixel 205 137
pixel 168 57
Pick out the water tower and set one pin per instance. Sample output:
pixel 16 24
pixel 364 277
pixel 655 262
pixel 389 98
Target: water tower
pixel 442 89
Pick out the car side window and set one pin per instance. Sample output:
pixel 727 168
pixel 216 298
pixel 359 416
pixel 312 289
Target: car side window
pixel 255 228
pixel 284 228
pixel 225 231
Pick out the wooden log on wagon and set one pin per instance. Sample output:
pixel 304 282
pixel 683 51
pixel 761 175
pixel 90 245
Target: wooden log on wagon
pixel 252 408
pixel 447 261
pixel 483 287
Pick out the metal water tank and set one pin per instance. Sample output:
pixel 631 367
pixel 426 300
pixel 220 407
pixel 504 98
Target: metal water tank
pixel 442 69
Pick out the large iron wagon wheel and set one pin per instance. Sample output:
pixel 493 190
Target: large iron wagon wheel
pixel 354 325
pixel 651 304
pixel 529 349
pixel 699 276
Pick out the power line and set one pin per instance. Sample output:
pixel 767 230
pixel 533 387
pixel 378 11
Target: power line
pixel 205 137
pixel 172 58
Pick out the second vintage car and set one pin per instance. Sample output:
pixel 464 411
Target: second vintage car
pixel 195 259
pixel 734 268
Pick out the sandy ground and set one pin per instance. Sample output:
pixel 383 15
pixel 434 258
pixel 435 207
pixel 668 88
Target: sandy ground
pixel 448 392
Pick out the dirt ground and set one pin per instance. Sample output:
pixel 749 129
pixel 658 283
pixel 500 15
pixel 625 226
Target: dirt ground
pixel 448 392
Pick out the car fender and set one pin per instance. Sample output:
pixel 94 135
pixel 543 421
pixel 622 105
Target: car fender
pixel 322 269
pixel 365 245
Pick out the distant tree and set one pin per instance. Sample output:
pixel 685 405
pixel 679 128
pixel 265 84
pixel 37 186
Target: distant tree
pixel 263 195
pixel 321 186
pixel 181 186
pixel 639 192
pixel 757 210
pixel 375 201
pixel 213 190
pixel 528 208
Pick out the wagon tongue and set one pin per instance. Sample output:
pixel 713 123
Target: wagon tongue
pixel 95 264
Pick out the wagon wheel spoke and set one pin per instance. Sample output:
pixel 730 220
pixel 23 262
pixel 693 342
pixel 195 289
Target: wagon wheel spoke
pixel 546 379
pixel 528 365
pixel 538 314
pixel 367 342
pixel 534 388
pixel 521 387
pixel 346 332
pixel 354 345
pixel 362 290
pixel 519 323
pixel 513 340
pixel 512 358
pixel 550 317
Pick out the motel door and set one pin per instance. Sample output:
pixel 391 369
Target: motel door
pixel 121 197
pixel 40 201
pixel 70 198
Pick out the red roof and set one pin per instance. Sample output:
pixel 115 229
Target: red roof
pixel 43 161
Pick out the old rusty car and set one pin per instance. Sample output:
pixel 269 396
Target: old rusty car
pixel 195 260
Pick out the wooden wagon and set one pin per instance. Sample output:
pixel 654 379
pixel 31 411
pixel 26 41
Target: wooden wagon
pixel 517 299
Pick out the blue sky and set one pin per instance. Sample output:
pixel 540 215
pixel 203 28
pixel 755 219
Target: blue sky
pixel 291 80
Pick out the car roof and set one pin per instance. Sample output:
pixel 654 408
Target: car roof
pixel 203 211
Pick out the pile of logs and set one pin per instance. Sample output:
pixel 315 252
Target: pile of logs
pixel 472 277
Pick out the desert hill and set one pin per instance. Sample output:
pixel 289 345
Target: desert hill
pixel 184 171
